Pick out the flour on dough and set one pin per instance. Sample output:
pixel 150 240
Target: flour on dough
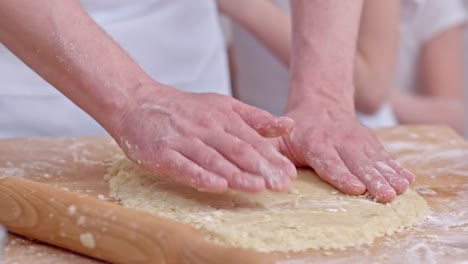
pixel 312 214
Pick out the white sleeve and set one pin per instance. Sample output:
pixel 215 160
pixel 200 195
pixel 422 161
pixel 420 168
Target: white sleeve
pixel 226 28
pixel 436 16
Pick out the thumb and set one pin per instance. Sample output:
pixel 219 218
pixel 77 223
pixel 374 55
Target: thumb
pixel 263 122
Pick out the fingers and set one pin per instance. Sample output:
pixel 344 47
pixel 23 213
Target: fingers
pixel 244 156
pixel 263 122
pixel 398 182
pixel 398 177
pixel 329 166
pixel 363 168
pixel 187 172
pixel 210 160
pixel 400 170
pixel 386 158
pixel 265 148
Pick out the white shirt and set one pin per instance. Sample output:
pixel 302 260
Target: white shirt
pixel 422 21
pixel 177 42
pixel 261 80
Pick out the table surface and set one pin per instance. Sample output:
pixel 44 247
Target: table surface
pixel 437 155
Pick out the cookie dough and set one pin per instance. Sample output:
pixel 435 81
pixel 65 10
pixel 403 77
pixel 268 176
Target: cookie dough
pixel 312 214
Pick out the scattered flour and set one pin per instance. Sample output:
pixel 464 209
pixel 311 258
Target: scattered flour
pixel 87 240
pixel 71 210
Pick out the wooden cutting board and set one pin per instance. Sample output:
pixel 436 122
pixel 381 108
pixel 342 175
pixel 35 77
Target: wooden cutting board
pixel 437 155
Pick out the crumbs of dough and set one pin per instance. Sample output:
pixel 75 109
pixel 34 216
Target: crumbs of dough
pixel 87 240
pixel 107 177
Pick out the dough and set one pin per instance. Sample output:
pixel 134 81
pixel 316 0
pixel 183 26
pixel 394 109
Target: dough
pixel 312 214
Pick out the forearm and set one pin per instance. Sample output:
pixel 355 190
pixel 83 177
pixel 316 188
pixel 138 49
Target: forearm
pixel 373 69
pixel 413 109
pixel 61 43
pixel 376 55
pixel 322 57
pixel 372 85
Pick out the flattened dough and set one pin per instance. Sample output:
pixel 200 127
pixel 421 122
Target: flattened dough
pixel 312 214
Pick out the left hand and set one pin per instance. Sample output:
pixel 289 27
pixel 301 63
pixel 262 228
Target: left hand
pixel 343 153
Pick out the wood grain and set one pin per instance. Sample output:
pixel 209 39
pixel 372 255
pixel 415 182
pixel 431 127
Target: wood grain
pixel 103 230
pixel 76 166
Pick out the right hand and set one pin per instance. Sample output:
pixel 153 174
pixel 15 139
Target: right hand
pixel 205 140
pixel 343 152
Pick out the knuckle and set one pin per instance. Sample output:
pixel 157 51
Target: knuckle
pixel 317 134
pixel 166 145
pixel 206 122
pixel 236 177
pixel 196 179
pixel 211 161
pixel 350 137
pixel 232 117
pixel 166 156
pixel 240 148
pixel 262 145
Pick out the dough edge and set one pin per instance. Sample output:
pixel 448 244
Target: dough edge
pixel 277 230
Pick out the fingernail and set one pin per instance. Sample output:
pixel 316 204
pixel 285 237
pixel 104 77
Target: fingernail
pixel 252 183
pixel 356 183
pixel 357 186
pixel 409 175
pixel 386 196
pixel 271 132
pixel 279 183
pixel 401 185
pixel 290 170
pixel 284 119
pixel 399 181
pixel 384 167
pixel 216 182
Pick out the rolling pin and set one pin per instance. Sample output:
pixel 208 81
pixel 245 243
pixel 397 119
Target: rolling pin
pixel 105 230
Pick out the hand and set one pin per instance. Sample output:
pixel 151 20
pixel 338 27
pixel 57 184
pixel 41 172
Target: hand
pixel 208 141
pixel 343 153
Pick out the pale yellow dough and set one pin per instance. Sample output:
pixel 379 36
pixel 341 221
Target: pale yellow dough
pixel 312 214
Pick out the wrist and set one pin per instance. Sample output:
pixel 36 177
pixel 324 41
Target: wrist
pixel 121 104
pixel 319 110
pixel 332 98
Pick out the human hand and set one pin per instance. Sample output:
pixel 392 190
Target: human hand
pixel 208 141
pixel 343 153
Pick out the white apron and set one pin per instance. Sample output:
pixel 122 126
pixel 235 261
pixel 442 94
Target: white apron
pixel 177 42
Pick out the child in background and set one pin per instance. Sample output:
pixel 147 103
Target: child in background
pixel 375 59
pixel 266 70
pixel 429 79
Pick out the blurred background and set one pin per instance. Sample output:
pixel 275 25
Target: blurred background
pixel 410 62
pixel 2 242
